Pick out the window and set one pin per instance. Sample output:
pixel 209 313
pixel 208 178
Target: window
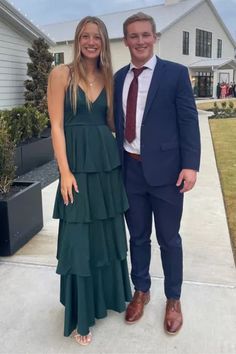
pixel 185 43
pixel 203 43
pixel 219 48
pixel 59 58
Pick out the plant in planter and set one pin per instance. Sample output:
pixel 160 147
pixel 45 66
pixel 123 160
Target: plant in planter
pixel 25 125
pixel 29 125
pixel 7 167
pixel 20 202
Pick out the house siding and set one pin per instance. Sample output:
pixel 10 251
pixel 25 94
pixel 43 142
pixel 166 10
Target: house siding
pixel 13 68
pixel 203 18
pixel 120 54
pixel 67 49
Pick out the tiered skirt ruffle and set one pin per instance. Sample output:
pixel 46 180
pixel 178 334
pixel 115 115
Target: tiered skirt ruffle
pixel 92 246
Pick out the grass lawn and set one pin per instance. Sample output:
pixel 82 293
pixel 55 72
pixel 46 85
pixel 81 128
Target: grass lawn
pixel 209 105
pixel 224 140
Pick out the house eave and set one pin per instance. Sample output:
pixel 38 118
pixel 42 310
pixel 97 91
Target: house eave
pixel 21 23
pixel 215 13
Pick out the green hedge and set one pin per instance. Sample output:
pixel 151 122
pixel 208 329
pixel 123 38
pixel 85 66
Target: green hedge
pixel 7 167
pixel 24 123
pixel 17 126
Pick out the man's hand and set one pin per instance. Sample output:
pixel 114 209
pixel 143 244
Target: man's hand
pixel 188 178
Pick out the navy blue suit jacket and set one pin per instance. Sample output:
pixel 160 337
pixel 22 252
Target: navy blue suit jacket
pixel 170 139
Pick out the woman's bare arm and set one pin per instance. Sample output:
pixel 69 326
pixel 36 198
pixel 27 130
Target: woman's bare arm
pixel 57 84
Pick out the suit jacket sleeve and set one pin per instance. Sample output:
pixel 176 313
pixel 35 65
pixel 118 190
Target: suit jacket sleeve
pixel 187 122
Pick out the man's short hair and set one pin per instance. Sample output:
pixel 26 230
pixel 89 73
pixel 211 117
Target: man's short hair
pixel 139 16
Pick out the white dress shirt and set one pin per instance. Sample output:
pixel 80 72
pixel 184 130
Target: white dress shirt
pixel 144 81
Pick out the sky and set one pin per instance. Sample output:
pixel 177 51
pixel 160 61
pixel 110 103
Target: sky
pixel 43 12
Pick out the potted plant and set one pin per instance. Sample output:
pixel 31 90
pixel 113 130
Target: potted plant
pixel 25 125
pixel 29 125
pixel 20 202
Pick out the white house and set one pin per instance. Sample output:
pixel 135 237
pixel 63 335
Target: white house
pixel 191 32
pixel 16 36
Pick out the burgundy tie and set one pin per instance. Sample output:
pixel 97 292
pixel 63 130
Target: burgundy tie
pixel 130 126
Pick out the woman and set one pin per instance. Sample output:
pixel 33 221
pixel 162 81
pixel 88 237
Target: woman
pixel 90 200
pixel 223 90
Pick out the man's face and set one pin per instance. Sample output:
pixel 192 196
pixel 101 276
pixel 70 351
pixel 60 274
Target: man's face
pixel 140 40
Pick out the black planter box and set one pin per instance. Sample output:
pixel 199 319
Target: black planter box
pixel 21 217
pixel 34 154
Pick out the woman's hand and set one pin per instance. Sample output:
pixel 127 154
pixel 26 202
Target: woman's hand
pixel 68 182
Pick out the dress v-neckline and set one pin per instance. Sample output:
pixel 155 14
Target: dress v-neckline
pixel 92 102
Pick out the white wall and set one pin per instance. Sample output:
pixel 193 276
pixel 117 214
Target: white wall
pixel 120 54
pixel 13 68
pixel 202 18
pixel 66 49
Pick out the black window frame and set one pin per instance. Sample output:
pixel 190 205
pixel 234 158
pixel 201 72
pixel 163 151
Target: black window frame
pixel 185 50
pixel 219 48
pixel 59 58
pixel 203 43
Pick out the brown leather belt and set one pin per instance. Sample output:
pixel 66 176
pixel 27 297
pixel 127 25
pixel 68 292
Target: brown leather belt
pixel 134 156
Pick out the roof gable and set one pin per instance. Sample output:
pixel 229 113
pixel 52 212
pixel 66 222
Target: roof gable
pixel 164 15
pixel 12 16
pixel 221 22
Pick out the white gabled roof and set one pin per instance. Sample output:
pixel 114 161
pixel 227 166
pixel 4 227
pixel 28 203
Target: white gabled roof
pixel 163 15
pixel 21 23
pixel 223 63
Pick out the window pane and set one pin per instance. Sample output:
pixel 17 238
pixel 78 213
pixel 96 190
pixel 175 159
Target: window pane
pixel 185 42
pixel 59 58
pixel 219 48
pixel 203 43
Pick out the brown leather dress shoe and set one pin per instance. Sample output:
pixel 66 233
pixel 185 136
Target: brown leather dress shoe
pixel 135 308
pixel 173 318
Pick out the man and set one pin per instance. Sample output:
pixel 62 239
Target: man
pixel 158 138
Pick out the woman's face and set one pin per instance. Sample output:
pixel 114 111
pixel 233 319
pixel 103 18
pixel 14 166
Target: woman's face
pixel 90 41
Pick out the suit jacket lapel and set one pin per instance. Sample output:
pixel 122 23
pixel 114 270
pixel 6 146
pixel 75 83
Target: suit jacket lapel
pixel 157 78
pixel 119 88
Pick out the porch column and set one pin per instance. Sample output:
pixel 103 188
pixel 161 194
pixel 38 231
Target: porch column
pixel 215 82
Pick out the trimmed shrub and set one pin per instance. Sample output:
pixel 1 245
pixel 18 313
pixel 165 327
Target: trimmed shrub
pixel 7 166
pixel 24 123
pixel 38 70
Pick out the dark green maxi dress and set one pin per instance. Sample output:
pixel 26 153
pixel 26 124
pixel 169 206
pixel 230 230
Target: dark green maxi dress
pixel 92 245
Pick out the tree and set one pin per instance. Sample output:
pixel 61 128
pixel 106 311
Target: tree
pixel 38 69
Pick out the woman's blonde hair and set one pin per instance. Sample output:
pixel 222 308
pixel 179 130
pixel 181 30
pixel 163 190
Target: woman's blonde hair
pixel 103 63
